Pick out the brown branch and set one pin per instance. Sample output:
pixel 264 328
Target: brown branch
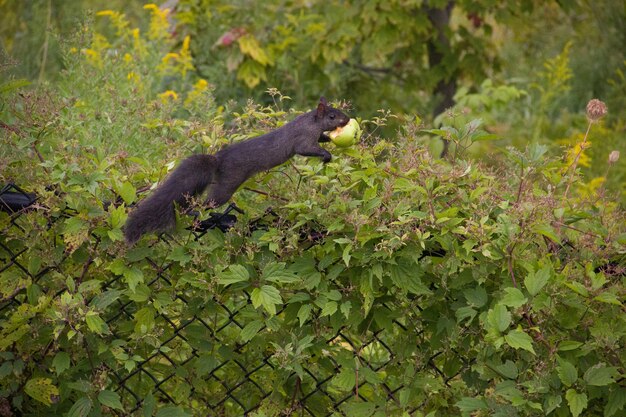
pixel 293 397
pixel 11 128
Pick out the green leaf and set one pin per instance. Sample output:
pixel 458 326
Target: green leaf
pixel 345 380
pixel 513 298
pixel 110 399
pixel 304 313
pixel 7 86
pixel 61 362
pixel 577 402
pixel 42 390
pixel 476 297
pixel 74 225
pixel 609 298
pixel 133 277
pixel 518 339
pixel 81 407
pixel 149 404
pixel 250 46
pixel 465 313
pixel 361 409
pixel 172 411
pixel 345 309
pixel 95 323
pixel 268 297
pixel 299 297
pixel 569 345
pixel 600 375
pixel 535 281
pixel 234 274
pixel 346 254
pixel 484 136
pixel 551 403
pixel 250 330
pixel 144 320
pixel 499 318
pixel 6 368
pixel 276 272
pixel 547 231
pixel 105 299
pixel 616 402
pixel 578 288
pixel 116 235
pixel 567 372
pixel 468 405
pixel 180 254
pixel 508 369
pixel 127 191
pixel 329 308
pixel 406 275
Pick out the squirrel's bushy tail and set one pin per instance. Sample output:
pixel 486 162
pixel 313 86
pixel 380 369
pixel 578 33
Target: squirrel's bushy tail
pixel 156 213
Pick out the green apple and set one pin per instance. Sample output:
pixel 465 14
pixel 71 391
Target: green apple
pixel 347 135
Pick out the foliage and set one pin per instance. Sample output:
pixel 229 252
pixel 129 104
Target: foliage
pixel 405 284
pixel 33 33
pixel 384 48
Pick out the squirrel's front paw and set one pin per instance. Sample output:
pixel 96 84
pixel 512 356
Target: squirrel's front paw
pixel 327 157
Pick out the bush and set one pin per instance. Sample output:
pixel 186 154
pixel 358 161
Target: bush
pixel 383 283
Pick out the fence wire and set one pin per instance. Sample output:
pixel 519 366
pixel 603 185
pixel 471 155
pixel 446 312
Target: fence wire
pixel 239 376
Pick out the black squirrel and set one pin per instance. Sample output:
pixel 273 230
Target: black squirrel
pixel 226 170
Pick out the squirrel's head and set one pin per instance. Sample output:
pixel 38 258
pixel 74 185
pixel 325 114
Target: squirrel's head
pixel 329 117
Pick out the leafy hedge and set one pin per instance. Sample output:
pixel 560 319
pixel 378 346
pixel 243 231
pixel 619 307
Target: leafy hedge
pixel 386 282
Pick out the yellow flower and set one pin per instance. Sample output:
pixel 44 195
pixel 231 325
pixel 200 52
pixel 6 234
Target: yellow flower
pixel 583 160
pixel 198 89
pixel 73 50
pixel 132 75
pixel 99 43
pixel 171 55
pixel 119 21
pixel 128 58
pixel 167 96
pixel 93 57
pixel 201 85
pixel 185 60
pixel 589 189
pixel 178 62
pixel 158 22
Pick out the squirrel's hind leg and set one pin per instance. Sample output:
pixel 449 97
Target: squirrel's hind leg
pixel 221 192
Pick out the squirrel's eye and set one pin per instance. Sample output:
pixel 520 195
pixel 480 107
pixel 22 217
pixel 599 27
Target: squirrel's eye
pixel 332 116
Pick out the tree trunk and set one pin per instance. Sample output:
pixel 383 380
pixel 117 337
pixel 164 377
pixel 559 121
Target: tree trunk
pixel 438 46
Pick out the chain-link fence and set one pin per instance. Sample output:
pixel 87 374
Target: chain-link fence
pixel 197 358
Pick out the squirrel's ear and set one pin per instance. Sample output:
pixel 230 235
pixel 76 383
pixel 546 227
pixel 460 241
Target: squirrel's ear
pixel 321 107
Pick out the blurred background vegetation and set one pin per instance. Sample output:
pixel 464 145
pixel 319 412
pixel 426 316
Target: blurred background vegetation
pixel 527 67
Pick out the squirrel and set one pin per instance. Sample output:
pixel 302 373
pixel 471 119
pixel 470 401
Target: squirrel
pixel 223 172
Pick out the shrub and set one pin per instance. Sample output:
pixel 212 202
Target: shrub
pixel 386 282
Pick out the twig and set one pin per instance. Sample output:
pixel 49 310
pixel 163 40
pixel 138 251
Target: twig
pixel 293 397
pixel 266 194
pixel 561 224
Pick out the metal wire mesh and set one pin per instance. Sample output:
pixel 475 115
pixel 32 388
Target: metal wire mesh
pixel 237 377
